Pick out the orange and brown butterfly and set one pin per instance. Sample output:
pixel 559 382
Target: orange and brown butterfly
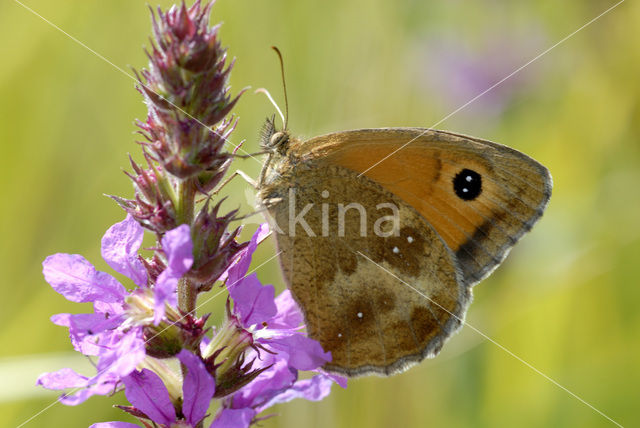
pixel 382 241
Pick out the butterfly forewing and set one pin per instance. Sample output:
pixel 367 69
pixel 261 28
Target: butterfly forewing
pixel 479 196
pixel 380 302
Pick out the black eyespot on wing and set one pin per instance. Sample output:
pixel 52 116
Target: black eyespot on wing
pixel 467 184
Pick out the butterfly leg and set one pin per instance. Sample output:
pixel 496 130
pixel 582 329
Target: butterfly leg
pixel 235 174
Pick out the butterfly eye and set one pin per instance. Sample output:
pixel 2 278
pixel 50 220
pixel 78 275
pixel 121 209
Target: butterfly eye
pixel 467 184
pixel 279 139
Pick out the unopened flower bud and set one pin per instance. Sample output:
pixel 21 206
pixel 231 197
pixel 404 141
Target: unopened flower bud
pixel 214 245
pixel 187 93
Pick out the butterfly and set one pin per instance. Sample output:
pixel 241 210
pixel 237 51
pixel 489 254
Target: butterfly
pixel 383 233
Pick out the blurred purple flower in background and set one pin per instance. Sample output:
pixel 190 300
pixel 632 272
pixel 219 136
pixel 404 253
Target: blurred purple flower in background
pixel 456 72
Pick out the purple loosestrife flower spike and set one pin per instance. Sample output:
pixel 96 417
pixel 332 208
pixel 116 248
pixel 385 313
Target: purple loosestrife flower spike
pixel 254 359
pixel 186 87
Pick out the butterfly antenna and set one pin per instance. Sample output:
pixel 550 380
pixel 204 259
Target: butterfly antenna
pixel 264 91
pixel 284 86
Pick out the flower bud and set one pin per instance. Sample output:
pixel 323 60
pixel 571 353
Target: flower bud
pixel 187 93
pixel 214 246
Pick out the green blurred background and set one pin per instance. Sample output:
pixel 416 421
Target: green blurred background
pixel 565 301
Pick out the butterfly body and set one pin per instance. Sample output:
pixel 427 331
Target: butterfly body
pixel 382 257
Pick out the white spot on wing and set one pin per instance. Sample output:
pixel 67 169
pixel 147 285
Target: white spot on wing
pixel 360 315
pixel 409 239
pixel 396 250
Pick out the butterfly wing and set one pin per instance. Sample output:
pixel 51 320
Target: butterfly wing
pixel 381 303
pixel 378 303
pixel 506 191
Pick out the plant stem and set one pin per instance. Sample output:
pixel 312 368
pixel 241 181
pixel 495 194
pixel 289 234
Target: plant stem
pixel 187 295
pixel 186 202
pixel 187 291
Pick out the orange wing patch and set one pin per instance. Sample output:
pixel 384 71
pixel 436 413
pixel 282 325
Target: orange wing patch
pixel 423 177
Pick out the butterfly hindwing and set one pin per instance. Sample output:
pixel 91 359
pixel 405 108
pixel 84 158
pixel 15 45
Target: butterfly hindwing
pixel 378 303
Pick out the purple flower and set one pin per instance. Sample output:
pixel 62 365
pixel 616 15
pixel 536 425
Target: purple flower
pixel 278 384
pixel 178 248
pixel 114 331
pixel 459 74
pixel 149 396
pixel 240 266
pixel 273 323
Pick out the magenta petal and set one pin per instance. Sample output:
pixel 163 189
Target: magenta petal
pixel 63 320
pixel 164 292
pixel 84 330
pixel 109 310
pixel 121 354
pixel 146 391
pixel 239 269
pixel 197 389
pixel 340 380
pixel 76 279
pixel 204 343
pixel 304 353
pixel 83 387
pixel 234 418
pixel 253 301
pixel 289 315
pixel 178 248
pixel 105 386
pixel 62 379
pixel 179 251
pixel 314 389
pixel 114 425
pixel 276 379
pixel 120 245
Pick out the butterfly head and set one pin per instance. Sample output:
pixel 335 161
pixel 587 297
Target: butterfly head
pixel 274 140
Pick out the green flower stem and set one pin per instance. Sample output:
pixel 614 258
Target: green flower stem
pixel 187 296
pixel 185 206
